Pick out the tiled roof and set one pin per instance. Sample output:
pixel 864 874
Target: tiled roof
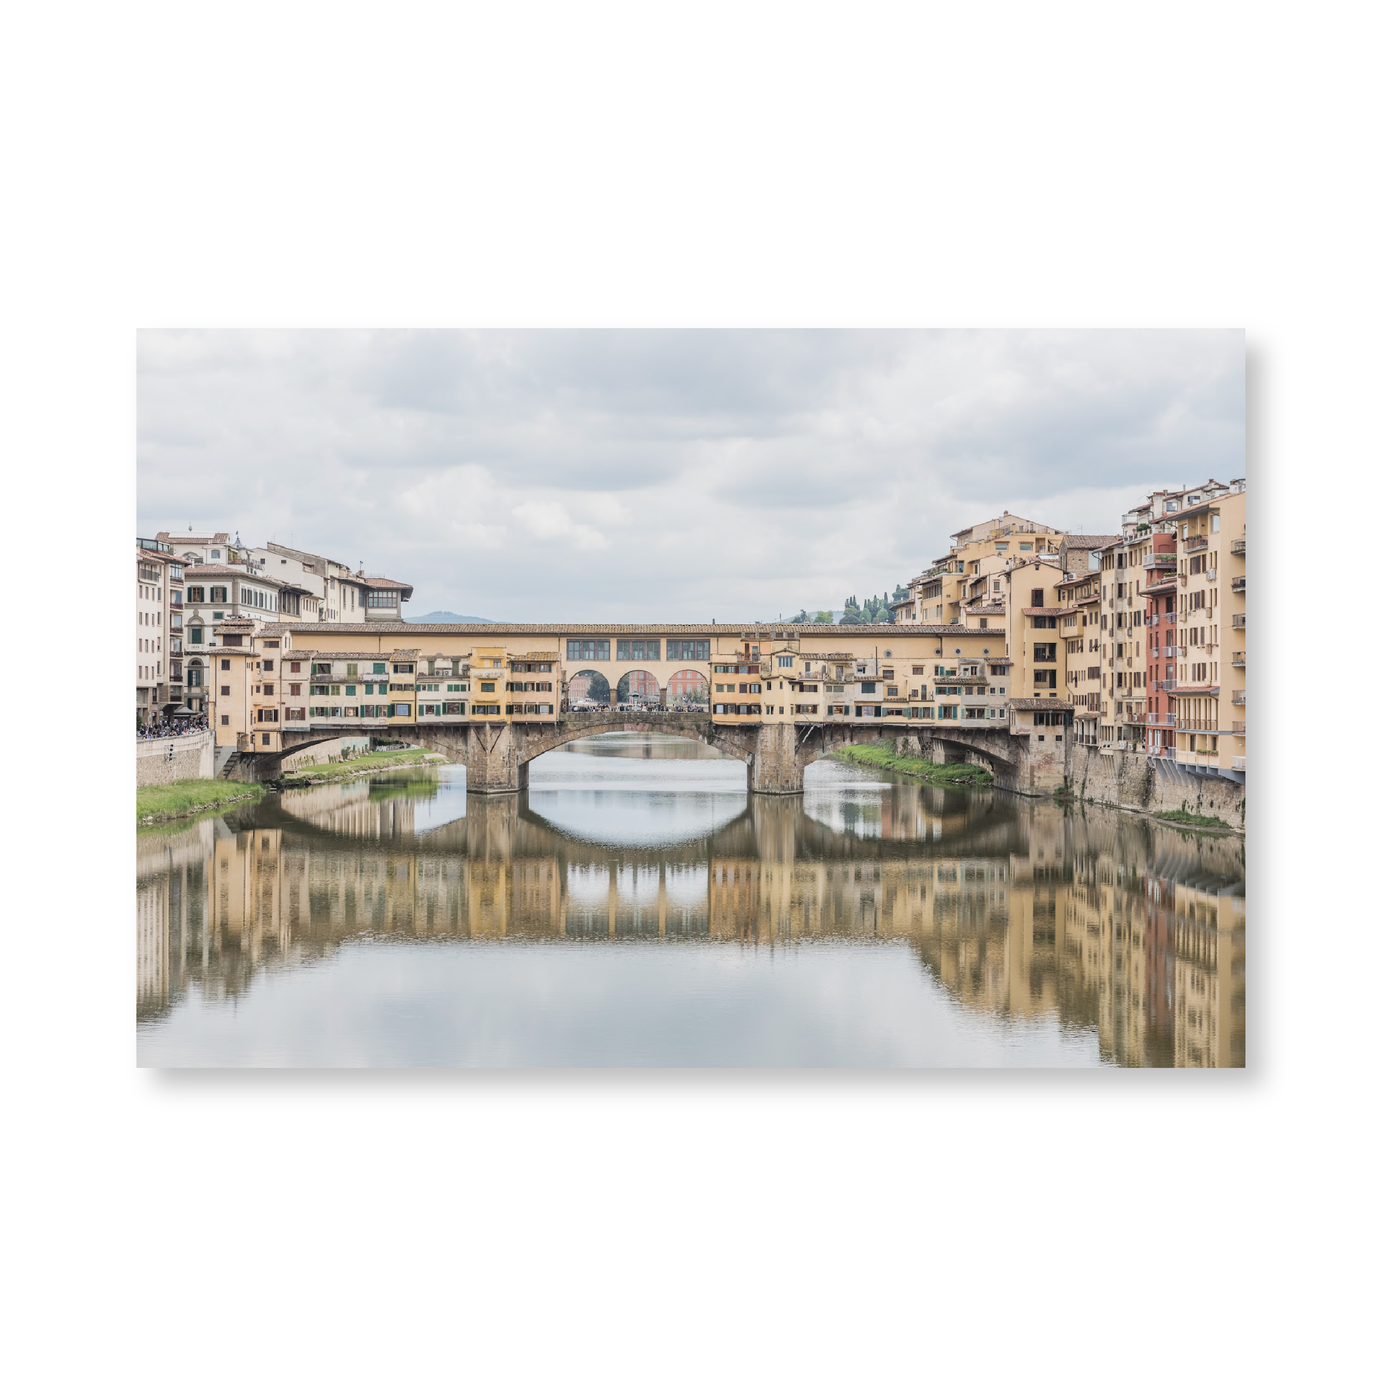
pixel 237 624
pixel 335 656
pixel 1050 612
pixel 384 583
pixel 1022 704
pixel 534 656
pixel 1090 541
pixel 404 654
pixel 617 629
pixel 997 608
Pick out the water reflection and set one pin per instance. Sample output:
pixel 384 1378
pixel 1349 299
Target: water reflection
pixel 402 920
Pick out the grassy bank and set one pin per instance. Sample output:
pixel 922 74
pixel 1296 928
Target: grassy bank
pixel 193 795
pixel 878 756
pixel 366 763
pixel 1184 818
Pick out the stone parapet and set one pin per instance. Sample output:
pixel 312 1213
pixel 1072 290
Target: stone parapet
pixel 162 761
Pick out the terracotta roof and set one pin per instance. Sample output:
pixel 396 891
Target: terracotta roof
pixel 534 656
pixel 1089 541
pixel 997 608
pixel 205 570
pixel 1050 612
pixel 614 629
pixel 383 583
pixel 336 655
pixel 157 558
pixel 237 624
pixel 404 654
pixel 1022 704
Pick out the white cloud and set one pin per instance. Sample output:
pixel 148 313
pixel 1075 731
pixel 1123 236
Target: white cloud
pixel 737 473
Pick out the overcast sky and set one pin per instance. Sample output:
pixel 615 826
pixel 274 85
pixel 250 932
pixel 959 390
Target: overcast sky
pixel 597 476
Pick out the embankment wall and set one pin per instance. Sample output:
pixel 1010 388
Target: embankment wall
pixel 162 761
pixel 326 752
pixel 1133 781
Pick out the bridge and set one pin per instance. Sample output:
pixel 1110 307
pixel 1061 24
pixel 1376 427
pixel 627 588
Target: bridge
pixel 497 755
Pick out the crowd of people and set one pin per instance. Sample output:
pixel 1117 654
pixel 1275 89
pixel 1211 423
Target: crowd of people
pixel 172 728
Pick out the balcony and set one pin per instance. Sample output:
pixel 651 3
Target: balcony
pixel 1237 726
pixel 1162 561
pixel 1237 585
pixel 1169 618
pixel 1238 660
pixel 1190 546
pixel 1237 621
pixel 1169 685
pixel 1237 547
pixel 1237 697
pixel 1237 763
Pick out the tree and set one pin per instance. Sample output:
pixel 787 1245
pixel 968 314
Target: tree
pixel 882 616
pixel 823 618
pixel 598 689
pixel 624 689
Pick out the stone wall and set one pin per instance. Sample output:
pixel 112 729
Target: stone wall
pixel 1133 781
pixel 161 761
pixel 325 752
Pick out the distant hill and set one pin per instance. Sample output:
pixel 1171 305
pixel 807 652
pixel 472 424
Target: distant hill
pixel 446 617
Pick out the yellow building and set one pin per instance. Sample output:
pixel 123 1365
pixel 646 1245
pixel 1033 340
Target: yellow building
pixel 1210 634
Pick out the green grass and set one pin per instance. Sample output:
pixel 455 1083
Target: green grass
pixel 175 799
pixel 878 756
pixel 371 760
pixel 1185 818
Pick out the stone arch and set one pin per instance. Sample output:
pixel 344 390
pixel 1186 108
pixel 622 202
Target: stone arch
pixel 686 682
pixel 638 682
pixel 581 688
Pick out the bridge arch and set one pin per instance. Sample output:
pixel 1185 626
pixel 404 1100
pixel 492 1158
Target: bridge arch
pixel 590 686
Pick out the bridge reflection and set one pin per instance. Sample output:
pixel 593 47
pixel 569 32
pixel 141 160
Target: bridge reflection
pixel 1017 909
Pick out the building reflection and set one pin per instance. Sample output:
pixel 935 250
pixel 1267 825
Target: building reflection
pixel 1100 920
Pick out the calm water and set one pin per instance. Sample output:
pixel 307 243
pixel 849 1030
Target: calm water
pixel 637 907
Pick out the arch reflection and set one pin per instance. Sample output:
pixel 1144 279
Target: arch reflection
pixel 1019 911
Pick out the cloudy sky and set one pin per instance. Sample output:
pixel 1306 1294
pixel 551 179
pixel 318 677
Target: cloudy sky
pixel 675 475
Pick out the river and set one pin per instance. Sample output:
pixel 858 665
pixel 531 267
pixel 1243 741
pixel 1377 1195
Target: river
pixel 637 907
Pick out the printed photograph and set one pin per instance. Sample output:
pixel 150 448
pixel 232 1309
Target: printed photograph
pixel 691 699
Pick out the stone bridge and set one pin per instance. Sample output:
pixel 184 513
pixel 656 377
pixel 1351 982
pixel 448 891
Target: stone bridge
pixel 497 755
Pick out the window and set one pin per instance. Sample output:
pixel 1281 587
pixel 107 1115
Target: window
pixel 589 649
pixel 1044 651
pixel 378 668
pixel 1045 678
pixel 785 661
pixel 196 636
pixel 294 688
pixel 195 594
pixel 224 665
pixel 402 710
pixel 1037 594
pixel 486 709
pixel 404 668
pixel 1026 545
pixel 688 650
pixel 218 594
pixel 638 649
pixel 379 598
pixel 867 687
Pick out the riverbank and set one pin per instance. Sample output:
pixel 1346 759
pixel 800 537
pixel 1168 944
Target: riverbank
pixel 380 762
pixel 885 759
pixel 172 801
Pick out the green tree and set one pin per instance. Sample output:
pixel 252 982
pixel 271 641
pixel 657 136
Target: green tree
pixel 822 617
pixel 598 689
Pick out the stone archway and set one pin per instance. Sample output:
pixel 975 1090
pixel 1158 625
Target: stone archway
pixel 687 687
pixel 589 689
pixel 638 684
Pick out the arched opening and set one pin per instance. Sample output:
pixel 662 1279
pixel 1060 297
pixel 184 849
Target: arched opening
pixel 589 690
pixel 688 690
pixel 638 690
